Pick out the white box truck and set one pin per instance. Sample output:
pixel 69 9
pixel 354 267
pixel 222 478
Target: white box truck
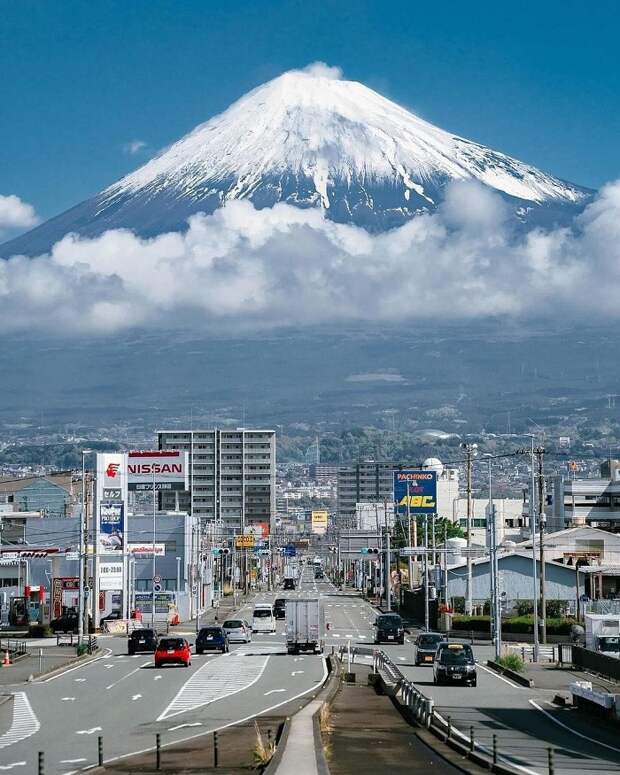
pixel 603 633
pixel 304 625
pixel 290 576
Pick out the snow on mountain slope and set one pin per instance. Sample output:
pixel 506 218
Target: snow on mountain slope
pixel 312 141
pixel 329 130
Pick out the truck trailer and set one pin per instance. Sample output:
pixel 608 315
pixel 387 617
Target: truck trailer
pixel 304 625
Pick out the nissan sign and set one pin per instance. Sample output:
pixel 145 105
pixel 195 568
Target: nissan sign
pixel 162 469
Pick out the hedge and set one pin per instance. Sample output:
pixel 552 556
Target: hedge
pixel 516 624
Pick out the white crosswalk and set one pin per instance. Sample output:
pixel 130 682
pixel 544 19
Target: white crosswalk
pixel 215 680
pixel 25 723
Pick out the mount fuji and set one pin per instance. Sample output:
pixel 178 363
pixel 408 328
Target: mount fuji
pixel 310 139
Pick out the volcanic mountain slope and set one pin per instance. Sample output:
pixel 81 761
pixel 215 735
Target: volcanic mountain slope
pixel 312 141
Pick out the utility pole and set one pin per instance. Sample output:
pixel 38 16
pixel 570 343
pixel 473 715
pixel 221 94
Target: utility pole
pixel 388 577
pixel 535 648
pixel 426 613
pixel 410 559
pixel 153 559
pixel 470 451
pixel 540 451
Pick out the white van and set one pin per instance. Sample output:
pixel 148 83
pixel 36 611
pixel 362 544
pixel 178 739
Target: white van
pixel 263 619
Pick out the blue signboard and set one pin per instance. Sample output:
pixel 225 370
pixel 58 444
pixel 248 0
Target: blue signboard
pixel 111 527
pixel 290 551
pixel 415 492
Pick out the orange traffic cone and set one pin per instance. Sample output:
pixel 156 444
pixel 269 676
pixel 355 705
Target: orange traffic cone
pixel 7 659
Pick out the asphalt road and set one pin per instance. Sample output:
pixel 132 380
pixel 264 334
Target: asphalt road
pixel 126 700
pixel 525 720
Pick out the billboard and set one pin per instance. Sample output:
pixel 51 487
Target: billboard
pixel 146 550
pixel 319 522
pixel 415 492
pixel 166 469
pixel 111 533
pixel 110 576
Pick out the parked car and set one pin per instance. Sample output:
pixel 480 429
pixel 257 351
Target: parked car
pixel 455 663
pixel 426 647
pixel 279 607
pixel 143 640
pixel 112 617
pixel 318 573
pixel 237 630
pixel 68 622
pixel 389 628
pixel 211 639
pixel 263 619
pixel 171 651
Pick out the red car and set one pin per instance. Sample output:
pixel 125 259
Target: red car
pixel 173 651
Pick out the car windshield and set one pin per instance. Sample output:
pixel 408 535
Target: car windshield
pixel 451 656
pixel 262 613
pixel 389 621
pixel 171 643
pixel 211 631
pixel 280 602
pixel 142 634
pixel 429 641
pixel 233 624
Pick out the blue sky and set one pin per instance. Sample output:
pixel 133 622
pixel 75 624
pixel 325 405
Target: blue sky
pixel 81 81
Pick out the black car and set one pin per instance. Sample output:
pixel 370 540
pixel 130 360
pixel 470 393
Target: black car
pixel 68 622
pixel 211 639
pixel 455 663
pixel 279 608
pixel 142 640
pixel 426 646
pixel 389 628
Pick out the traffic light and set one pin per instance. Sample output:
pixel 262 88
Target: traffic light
pixel 220 550
pixel 369 550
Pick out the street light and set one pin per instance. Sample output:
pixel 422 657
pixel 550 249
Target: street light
pixel 82 581
pixel 471 451
pixel 496 613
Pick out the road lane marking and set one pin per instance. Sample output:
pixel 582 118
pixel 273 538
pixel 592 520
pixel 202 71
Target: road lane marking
pixel 77 667
pixel 90 731
pixel 136 697
pixel 122 678
pixel 73 761
pixel 273 691
pixel 215 680
pixel 573 731
pixel 24 723
pixel 10 766
pixel 67 699
pixel 184 726
pixel 501 677
pixel 157 678
pixel 79 680
pixel 297 672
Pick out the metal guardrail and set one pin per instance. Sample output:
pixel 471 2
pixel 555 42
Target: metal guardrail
pixel 91 644
pixel 560 652
pixel 15 647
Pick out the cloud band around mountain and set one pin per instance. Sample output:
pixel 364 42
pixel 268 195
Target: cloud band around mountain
pixel 246 268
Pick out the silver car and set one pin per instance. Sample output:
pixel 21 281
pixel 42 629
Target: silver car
pixel 237 630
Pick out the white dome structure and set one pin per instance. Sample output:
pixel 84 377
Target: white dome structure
pixel 434 463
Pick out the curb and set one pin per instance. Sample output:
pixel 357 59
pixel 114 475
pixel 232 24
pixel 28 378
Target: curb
pixel 512 674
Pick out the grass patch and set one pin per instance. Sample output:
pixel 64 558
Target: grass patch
pixel 511 662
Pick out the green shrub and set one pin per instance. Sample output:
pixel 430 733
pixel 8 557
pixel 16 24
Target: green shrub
pixel 458 605
pixel 525 624
pixel 511 662
pixel 524 607
pixel 469 623
pixel 40 631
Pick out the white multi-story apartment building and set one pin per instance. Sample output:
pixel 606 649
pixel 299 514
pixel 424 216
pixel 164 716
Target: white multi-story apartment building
pixel 232 475
pixel 578 502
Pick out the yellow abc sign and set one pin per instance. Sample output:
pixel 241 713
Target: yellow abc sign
pixel 418 502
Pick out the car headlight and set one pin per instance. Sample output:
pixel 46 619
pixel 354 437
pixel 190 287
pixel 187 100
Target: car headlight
pixel 471 668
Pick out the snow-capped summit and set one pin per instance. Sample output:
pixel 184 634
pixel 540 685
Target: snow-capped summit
pixel 311 139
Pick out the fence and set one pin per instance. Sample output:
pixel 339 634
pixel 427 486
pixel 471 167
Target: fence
pixel 16 648
pixel 558 653
pixel 596 662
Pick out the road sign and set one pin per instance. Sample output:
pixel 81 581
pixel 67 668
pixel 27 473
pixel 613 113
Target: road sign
pixel 411 551
pixel 72 555
pixel 290 550
pixel 157 587
pixel 10 555
pixel 244 542
pixel 156 579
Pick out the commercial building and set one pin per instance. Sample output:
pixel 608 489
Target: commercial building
pixel 373 482
pixel 232 475
pixel 578 502
pixel 510 522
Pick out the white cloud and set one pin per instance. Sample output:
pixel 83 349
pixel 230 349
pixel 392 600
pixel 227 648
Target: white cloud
pixel 323 70
pixel 246 268
pixel 16 214
pixel 134 146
